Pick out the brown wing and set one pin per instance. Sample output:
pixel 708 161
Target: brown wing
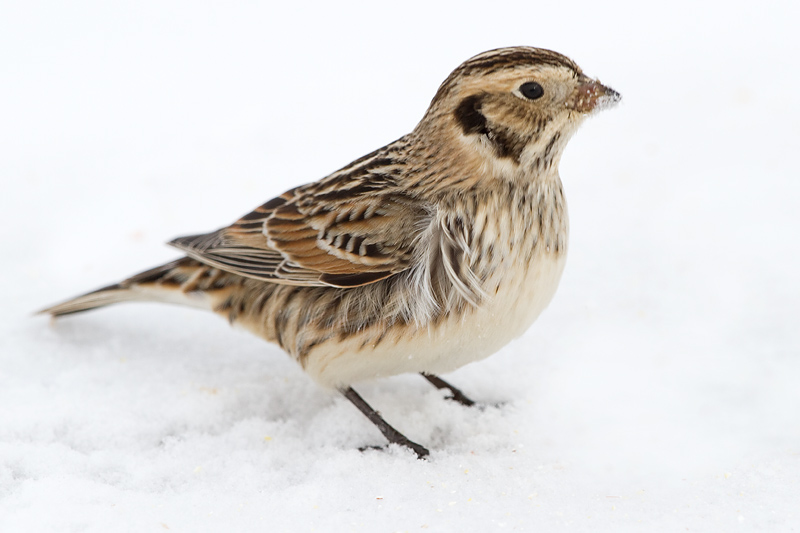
pixel 339 232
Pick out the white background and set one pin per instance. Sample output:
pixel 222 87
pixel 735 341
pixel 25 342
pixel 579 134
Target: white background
pixel 659 392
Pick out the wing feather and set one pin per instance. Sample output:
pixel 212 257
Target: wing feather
pixel 352 228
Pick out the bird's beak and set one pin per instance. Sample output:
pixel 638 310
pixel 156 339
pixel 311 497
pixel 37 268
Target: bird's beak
pixel 591 95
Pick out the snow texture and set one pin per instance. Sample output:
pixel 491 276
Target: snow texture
pixel 659 391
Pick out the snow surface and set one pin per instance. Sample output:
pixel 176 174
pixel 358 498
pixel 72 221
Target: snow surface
pixel 659 392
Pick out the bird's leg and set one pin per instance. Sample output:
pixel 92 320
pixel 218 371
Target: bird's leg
pixel 455 394
pixel 391 434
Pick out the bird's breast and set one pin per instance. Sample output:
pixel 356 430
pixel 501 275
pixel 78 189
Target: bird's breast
pixel 519 244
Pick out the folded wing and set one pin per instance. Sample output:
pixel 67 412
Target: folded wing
pixel 345 233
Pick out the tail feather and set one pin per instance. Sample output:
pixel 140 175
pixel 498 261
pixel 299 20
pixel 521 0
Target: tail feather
pixel 185 281
pixel 92 300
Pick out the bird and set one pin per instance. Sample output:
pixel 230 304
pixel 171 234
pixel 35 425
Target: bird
pixel 424 255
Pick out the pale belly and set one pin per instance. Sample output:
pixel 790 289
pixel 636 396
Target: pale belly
pixel 454 341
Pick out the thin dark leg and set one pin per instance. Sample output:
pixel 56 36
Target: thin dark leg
pixel 456 395
pixel 391 434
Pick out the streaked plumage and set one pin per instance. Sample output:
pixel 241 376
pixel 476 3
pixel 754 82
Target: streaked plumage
pixel 427 254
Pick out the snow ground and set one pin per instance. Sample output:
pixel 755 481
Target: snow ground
pixel 658 392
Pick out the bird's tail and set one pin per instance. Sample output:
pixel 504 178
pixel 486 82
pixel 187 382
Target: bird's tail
pixel 184 281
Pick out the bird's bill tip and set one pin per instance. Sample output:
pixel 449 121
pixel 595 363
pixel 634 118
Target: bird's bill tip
pixel 591 96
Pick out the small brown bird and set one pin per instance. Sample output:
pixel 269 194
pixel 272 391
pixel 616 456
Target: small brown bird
pixel 425 255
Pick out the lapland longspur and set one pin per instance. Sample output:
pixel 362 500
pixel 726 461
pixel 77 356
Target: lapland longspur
pixel 425 255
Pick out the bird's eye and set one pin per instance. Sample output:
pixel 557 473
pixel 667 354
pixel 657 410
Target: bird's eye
pixel 531 90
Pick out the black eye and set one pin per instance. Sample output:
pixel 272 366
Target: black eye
pixel 531 90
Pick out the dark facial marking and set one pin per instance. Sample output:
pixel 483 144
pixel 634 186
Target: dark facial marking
pixel 507 144
pixel 474 122
pixel 469 116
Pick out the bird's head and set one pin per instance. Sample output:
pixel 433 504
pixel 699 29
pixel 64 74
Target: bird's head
pixel 518 106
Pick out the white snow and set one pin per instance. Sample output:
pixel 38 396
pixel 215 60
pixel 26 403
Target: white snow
pixel 660 391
